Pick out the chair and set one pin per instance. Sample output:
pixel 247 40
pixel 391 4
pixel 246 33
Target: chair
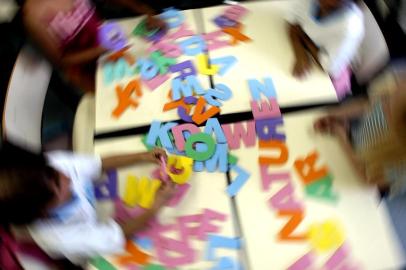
pixel 24 101
pixel 83 127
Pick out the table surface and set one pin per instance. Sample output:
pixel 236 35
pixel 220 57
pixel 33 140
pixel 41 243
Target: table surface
pixel 366 223
pixel 207 191
pixel 152 102
pixel 268 55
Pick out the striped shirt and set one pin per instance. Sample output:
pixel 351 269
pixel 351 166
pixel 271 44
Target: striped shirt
pixel 369 129
pixel 366 132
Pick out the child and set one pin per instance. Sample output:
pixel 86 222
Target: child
pixel 373 135
pixel 67 33
pixel 58 195
pixel 329 31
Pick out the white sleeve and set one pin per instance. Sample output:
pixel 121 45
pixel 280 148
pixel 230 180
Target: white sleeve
pixel 338 52
pixel 296 11
pixel 89 166
pixel 78 241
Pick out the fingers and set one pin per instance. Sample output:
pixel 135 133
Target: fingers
pixel 155 23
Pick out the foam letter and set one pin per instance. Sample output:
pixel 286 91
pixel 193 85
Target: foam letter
pixel 222 22
pixel 322 189
pixel 296 218
pixel 267 178
pixel 306 168
pixel 186 88
pixel 213 41
pixel 180 137
pixel 267 129
pixel 218 161
pixel 203 65
pixel 107 189
pixel 217 241
pixel 284 199
pixel 157 131
pixel 238 182
pixel 340 260
pixel 173 17
pixel 112 37
pixel 225 63
pixel 183 31
pixel 141 192
pixel 116 71
pixel 247 135
pixel 125 99
pixel 148 69
pixel 277 145
pixel 162 62
pixel 201 114
pixel 168 49
pixel 207 226
pixel 136 255
pixel 257 88
pixel 183 166
pixel 267 110
pixel 184 113
pixel 235 12
pixel 305 262
pixel 203 138
pixel 156 81
pixel 236 35
pixel 185 68
pixel 166 249
pixel 193 45
pixel 221 91
pixel 213 126
pixel 325 236
pixel 187 231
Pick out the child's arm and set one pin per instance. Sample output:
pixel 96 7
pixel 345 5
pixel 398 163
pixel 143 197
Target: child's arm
pixel 302 63
pixel 139 7
pixel 117 161
pixel 340 115
pixel 50 48
pixel 134 225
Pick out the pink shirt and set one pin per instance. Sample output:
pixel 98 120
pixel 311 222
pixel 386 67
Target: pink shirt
pixel 77 28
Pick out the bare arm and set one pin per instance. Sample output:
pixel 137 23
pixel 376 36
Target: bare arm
pixel 350 109
pixel 302 62
pixel 134 225
pixel 124 160
pixel 136 6
pixel 49 45
pixel 296 41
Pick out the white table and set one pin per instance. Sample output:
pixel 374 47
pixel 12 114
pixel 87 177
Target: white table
pixel 152 102
pixel 366 222
pixel 269 54
pixel 207 191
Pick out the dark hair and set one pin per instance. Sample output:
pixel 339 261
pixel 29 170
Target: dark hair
pixel 25 193
pixel 25 185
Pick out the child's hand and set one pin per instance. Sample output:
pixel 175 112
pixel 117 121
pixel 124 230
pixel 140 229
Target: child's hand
pixel 155 23
pixel 156 155
pixel 301 67
pixel 164 194
pixel 328 124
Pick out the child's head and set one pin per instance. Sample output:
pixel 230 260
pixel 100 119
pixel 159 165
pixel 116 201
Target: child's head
pixel 29 188
pixel 26 193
